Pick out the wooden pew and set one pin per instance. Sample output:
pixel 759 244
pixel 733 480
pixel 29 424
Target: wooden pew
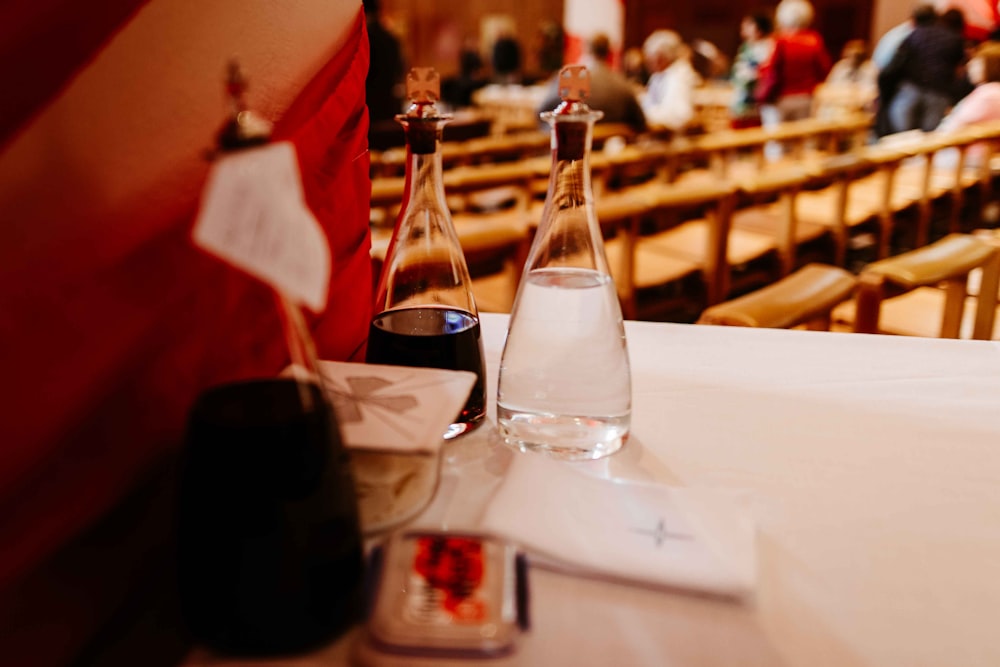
pixel 903 294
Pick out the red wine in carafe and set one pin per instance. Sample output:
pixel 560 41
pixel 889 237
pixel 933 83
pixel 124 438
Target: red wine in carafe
pixel 433 338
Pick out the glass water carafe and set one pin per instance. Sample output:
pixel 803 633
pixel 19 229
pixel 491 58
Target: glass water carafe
pixel 426 313
pixel 565 383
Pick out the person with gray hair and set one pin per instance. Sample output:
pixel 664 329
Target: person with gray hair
pixel 799 62
pixel 610 91
pixel 793 15
pixel 669 98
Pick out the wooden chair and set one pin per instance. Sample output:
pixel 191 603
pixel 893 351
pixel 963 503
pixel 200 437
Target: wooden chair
pixel 631 165
pixel 806 297
pixel 490 205
pixel 488 187
pixel 834 207
pixel 824 137
pixel 386 195
pixel 961 180
pixel 739 154
pixel 809 142
pixel 902 294
pixel 482 187
pixel 508 148
pixel 986 156
pixel 779 220
pixel 619 214
pixel 923 180
pixel 877 191
pixel 644 264
pixel 987 167
pixel 392 161
pixel 724 152
pixel 711 106
pixel 973 175
pixel 494 249
pixel 493 226
pixel 604 131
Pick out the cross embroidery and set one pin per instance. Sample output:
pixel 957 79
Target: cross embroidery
pixel 375 398
pixel 368 392
pixel 660 534
pixel 574 83
pixel 423 85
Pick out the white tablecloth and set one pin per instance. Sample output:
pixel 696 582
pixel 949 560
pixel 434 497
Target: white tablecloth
pixel 874 467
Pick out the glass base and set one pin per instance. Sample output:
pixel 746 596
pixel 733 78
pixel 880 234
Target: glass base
pixel 564 437
pixel 567 453
pixel 392 488
pixel 463 427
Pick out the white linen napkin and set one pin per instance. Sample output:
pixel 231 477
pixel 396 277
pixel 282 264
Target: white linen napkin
pixel 394 408
pixel 651 534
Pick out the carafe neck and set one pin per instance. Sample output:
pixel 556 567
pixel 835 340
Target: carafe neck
pixel 424 179
pixel 424 172
pixel 569 182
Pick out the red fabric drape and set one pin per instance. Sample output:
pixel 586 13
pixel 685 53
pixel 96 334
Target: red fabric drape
pixel 42 44
pixel 102 362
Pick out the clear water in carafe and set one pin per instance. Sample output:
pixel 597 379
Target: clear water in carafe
pixel 565 371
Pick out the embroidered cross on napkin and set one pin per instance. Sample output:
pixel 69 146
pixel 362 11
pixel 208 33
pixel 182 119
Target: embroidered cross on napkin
pixel 651 534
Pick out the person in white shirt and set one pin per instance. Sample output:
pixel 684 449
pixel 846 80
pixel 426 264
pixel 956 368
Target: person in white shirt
pixel 669 98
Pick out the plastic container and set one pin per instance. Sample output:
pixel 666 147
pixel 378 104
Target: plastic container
pixel 440 594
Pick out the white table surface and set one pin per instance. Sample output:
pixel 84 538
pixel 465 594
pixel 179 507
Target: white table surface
pixel 873 463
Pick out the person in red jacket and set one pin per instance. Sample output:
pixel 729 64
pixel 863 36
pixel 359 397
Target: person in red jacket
pixel 798 63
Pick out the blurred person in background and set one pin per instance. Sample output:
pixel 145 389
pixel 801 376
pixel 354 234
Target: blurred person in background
pixel 384 83
pixel 983 103
pixel 669 98
pixel 457 91
pixel 634 67
pixel 954 20
pixel 708 61
pixel 885 49
pixel 979 17
pixel 610 91
pixel 852 84
pixel 854 65
pixel 923 75
pixel 798 64
pixel 755 29
pixel 506 58
pixel 550 48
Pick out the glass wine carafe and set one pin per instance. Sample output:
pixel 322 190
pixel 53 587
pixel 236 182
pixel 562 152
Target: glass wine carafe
pixel 426 313
pixel 269 549
pixel 565 383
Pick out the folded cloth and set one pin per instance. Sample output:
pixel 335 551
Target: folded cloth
pixel 395 408
pixel 651 534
